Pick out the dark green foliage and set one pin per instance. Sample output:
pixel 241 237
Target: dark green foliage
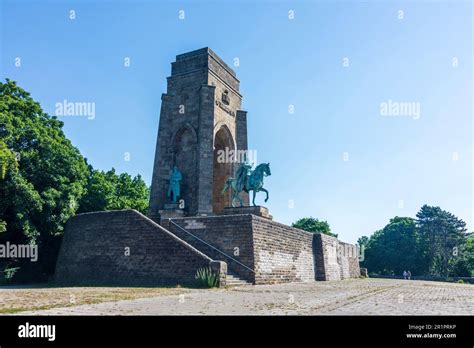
pixel 41 191
pixel 311 224
pixel 433 244
pixel 43 181
pixel 109 191
pixel 362 241
pixel 444 237
pixel 8 274
pixel 395 248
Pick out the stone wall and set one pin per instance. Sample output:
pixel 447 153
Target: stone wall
pixel 231 234
pixel 282 253
pixel 276 252
pixel 335 260
pixel 93 252
pixel 351 253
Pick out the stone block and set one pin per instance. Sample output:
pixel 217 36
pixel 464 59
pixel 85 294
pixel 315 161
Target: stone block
pixel 254 210
pixel 220 268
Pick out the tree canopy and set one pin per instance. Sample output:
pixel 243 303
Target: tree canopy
pixel 109 191
pixel 44 179
pixel 40 193
pixel 435 243
pixel 313 225
pixel 395 248
pixel 444 238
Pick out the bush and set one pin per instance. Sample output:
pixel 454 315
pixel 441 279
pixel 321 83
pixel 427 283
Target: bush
pixel 207 278
pixel 8 274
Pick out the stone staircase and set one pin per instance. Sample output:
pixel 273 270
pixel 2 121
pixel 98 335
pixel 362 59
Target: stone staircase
pixel 234 280
pixel 236 274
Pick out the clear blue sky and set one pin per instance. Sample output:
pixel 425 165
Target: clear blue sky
pixel 282 62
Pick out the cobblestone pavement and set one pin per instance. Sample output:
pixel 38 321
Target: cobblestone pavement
pixel 347 297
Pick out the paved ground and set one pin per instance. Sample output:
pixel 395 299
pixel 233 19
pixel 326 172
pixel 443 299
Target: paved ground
pixel 18 298
pixel 348 297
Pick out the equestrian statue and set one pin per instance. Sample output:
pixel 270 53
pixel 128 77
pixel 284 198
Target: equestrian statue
pixel 247 180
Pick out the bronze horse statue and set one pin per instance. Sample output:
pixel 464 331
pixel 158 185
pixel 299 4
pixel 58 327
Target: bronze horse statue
pixel 247 180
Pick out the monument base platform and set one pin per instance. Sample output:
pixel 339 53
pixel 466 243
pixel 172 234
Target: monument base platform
pixel 254 210
pixel 167 214
pixel 262 251
pixel 254 249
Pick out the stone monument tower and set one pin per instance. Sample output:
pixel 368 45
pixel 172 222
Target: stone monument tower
pixel 200 117
pixel 200 120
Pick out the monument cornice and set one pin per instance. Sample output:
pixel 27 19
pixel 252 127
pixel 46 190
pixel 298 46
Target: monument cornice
pixel 210 53
pixel 225 83
pixel 209 70
pixel 225 67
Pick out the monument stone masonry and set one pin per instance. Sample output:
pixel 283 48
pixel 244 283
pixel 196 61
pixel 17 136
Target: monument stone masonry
pixel 200 115
pixel 190 222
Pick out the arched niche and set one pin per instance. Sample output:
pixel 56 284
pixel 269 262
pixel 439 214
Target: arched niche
pixel 223 168
pixel 184 152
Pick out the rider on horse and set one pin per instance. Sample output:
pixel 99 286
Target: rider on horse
pixel 242 175
pixel 247 180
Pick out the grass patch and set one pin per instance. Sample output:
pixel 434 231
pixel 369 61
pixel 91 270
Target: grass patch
pixel 16 300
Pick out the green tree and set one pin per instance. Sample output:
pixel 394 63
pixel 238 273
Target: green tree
pixel 111 191
pixel 395 248
pixel 462 263
pixel 373 257
pixel 433 244
pixel 444 236
pixel 466 260
pixel 313 225
pixel 42 194
pixel 7 164
pixel 7 160
pixel 363 241
pixel 44 179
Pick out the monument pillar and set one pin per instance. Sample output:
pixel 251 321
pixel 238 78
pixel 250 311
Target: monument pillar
pixel 205 159
pixel 200 114
pixel 241 134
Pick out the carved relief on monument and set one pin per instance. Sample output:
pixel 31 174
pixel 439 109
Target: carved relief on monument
pixel 225 102
pixel 225 97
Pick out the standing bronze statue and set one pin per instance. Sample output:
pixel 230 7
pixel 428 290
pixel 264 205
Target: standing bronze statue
pixel 247 180
pixel 174 189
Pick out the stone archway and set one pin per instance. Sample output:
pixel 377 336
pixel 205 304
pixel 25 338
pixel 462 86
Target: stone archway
pixel 223 168
pixel 184 157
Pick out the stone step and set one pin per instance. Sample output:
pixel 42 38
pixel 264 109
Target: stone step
pixel 236 284
pixel 234 280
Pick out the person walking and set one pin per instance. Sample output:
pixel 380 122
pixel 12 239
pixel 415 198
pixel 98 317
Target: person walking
pixel 405 274
pixel 409 275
